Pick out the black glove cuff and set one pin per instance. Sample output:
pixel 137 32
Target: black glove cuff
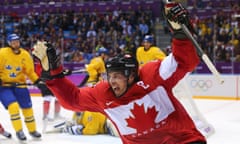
pixel 179 34
pixel 61 75
pixel 40 83
pixel 45 75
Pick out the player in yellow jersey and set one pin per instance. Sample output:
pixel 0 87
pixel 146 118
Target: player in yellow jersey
pixel 86 123
pixel 96 67
pixel 15 65
pixel 92 122
pixel 148 52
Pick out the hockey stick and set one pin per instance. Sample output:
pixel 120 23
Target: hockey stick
pixel 84 81
pixel 204 57
pixel 53 131
pixel 201 53
pixel 12 84
pixel 67 72
pixel 15 84
pixel 56 128
pixel 79 71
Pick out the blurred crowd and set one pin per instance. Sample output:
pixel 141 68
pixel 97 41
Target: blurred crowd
pixel 21 2
pixel 78 35
pixel 218 28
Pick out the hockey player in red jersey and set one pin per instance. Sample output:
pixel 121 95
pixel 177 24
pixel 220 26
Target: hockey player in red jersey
pixel 47 97
pixel 140 103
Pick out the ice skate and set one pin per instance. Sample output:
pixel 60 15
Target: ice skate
pixel 21 136
pixel 6 134
pixel 35 135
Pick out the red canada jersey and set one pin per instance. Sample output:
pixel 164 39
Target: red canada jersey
pixel 148 113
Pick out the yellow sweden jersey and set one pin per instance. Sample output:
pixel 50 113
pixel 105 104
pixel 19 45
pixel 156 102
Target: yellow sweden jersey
pixel 95 68
pixel 93 122
pixel 154 53
pixel 14 68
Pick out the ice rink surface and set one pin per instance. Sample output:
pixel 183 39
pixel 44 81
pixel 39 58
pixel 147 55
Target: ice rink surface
pixel 224 115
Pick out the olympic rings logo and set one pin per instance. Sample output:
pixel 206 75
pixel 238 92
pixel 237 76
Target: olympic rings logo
pixel 201 85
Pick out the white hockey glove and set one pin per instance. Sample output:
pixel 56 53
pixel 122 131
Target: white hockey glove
pixel 73 129
pixel 49 59
pixel 40 51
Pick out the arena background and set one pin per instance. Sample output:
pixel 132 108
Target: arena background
pixel 62 23
pixel 216 22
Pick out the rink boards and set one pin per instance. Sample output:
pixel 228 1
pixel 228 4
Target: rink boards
pixel 206 86
pixel 200 85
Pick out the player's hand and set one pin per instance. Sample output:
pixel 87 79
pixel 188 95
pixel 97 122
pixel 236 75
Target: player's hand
pixel 40 84
pixel 73 129
pixel 177 15
pixel 40 51
pixel 50 61
pixel 67 72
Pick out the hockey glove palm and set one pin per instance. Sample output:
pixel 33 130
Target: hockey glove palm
pixel 40 51
pixel 50 61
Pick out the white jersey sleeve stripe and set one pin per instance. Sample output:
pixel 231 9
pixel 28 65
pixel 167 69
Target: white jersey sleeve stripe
pixel 168 67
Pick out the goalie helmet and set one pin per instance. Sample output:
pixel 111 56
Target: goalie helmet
pixel 12 37
pixel 125 63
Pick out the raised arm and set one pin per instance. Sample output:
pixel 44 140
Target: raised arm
pixel 183 58
pixel 67 92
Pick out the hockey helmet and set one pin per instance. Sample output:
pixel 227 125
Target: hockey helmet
pixel 123 62
pixel 12 37
pixel 102 50
pixel 148 38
